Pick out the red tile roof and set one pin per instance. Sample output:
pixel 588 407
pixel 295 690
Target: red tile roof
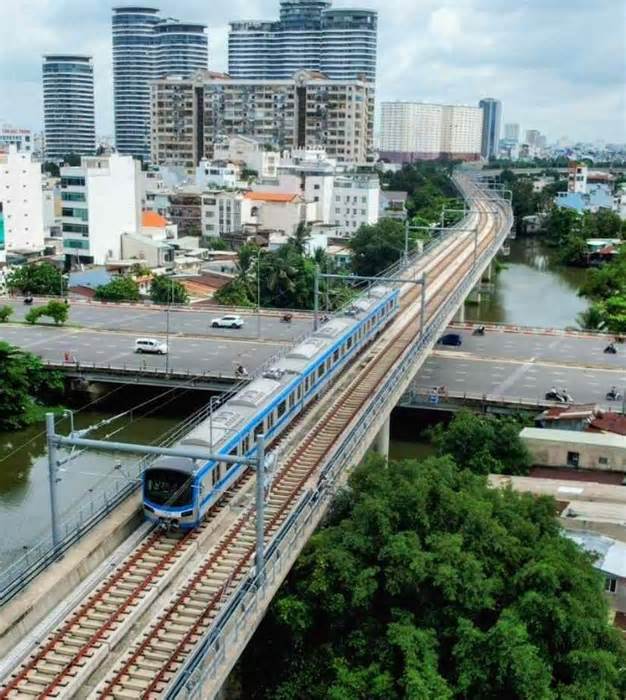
pixel 270 196
pixel 150 219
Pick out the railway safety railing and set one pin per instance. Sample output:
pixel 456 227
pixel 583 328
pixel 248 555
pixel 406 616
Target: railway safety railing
pixel 232 625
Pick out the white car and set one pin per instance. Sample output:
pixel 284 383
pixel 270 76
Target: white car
pixel 157 347
pixel 227 322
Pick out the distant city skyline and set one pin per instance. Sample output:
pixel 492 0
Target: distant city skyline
pixel 428 52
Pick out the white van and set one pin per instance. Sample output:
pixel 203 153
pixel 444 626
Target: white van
pixel 157 347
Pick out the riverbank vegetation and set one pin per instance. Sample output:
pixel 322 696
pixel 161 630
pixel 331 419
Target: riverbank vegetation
pixel 426 583
pixel 27 388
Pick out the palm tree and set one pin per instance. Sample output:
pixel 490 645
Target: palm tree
pixel 300 238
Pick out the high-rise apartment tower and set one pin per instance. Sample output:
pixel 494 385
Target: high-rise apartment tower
pixel 146 47
pixel 68 105
pixel 309 35
pixel 492 122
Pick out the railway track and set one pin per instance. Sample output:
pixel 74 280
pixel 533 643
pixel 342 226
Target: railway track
pixel 65 660
pixel 153 662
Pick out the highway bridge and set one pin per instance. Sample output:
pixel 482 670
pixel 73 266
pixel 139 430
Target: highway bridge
pixel 172 619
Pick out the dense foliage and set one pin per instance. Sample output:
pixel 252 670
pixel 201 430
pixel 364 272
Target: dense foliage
pixel 284 278
pixel 25 386
pixel 165 290
pixel 58 311
pixel 377 246
pixel 118 289
pixel 42 279
pixel 525 200
pixel 5 313
pixel 483 444
pixel 428 584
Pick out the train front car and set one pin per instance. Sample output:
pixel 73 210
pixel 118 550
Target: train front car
pixel 169 496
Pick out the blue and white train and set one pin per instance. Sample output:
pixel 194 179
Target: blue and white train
pixel 178 492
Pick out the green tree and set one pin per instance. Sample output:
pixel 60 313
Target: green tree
pixel 613 313
pixel 42 279
pixel 234 293
pixel 58 311
pixel 300 238
pixel 118 289
pixel 5 313
pixel 590 319
pixel 26 384
pixel 426 583
pixel 377 246
pixel 165 290
pixel 483 444
pixel 33 315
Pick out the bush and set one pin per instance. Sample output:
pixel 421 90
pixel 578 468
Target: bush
pixel 118 289
pixel 5 313
pixel 56 310
pixel 33 316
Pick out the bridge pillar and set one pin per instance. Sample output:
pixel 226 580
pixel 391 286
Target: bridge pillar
pixel 381 441
pixel 459 316
pixel 488 272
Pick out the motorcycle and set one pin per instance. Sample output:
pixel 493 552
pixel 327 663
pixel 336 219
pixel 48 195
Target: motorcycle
pixel 241 372
pixel 28 300
pixel 479 331
pixel 286 318
pixel 558 396
pixel 610 349
pixel 613 396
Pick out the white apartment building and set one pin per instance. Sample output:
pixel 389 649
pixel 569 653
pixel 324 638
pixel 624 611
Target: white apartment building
pixel 249 153
pixel 101 200
pixel 22 139
pixel 22 202
pixel 356 202
pixel 224 212
pixel 211 174
pixel 419 131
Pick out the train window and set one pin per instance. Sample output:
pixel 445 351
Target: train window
pixel 258 430
pixel 299 392
pixel 320 371
pixel 167 487
pixel 215 474
pixel 270 421
pixel 282 407
pixel 336 355
pixel 292 399
pixel 349 343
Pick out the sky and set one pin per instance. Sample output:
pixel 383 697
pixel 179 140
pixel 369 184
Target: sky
pixel 556 66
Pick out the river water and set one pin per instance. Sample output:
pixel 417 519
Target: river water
pixel 24 485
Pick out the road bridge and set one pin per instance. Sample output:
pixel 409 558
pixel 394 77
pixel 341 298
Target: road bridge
pixel 209 604
pixel 517 366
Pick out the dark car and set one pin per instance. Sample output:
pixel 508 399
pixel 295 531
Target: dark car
pixel 450 339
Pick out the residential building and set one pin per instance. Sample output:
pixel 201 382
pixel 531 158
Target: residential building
pixel 68 105
pixel 418 131
pixel 157 227
pixel 189 116
pixel 216 174
pixel 22 139
pixel 580 450
pixel 249 153
pixel 356 203
pixel 151 252
pixel 535 138
pixel 22 202
pixel 309 35
pixel 281 213
pixel 492 120
pixel 595 198
pixel 224 213
pixel 101 201
pixel 610 559
pixel 577 174
pixel 51 202
pixel 512 132
pixel 393 205
pixel 146 47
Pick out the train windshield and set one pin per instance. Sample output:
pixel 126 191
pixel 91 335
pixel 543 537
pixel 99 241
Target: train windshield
pixel 167 487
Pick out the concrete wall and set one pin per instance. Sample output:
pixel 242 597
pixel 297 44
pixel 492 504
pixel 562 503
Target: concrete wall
pixel 555 454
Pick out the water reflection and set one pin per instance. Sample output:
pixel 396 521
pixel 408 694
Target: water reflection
pixel 532 290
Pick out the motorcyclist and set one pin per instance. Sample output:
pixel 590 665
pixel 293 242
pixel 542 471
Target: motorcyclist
pixel 610 348
pixel 612 393
pixel 241 371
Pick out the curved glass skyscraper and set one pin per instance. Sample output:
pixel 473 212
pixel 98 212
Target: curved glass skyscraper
pixel 146 47
pixel 68 105
pixel 309 35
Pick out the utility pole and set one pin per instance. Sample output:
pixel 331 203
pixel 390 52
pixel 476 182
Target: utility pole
pixel 167 327
pixel 260 506
pixel 423 305
pixel 52 476
pixel 316 293
pixel 258 293
pixel 406 240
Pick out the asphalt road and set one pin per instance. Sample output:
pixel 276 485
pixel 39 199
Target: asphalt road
pixel 212 355
pixel 525 366
pixel 151 321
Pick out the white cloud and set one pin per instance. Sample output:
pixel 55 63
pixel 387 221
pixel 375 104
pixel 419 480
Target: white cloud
pixel 557 69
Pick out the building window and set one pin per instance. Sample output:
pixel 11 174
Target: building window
pixel 316 187
pixel 603 460
pixel 610 584
pixel 573 459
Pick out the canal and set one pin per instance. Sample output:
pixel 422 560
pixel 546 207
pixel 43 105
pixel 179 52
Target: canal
pixel 531 290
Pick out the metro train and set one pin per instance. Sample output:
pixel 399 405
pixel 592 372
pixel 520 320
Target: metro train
pixel 178 492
